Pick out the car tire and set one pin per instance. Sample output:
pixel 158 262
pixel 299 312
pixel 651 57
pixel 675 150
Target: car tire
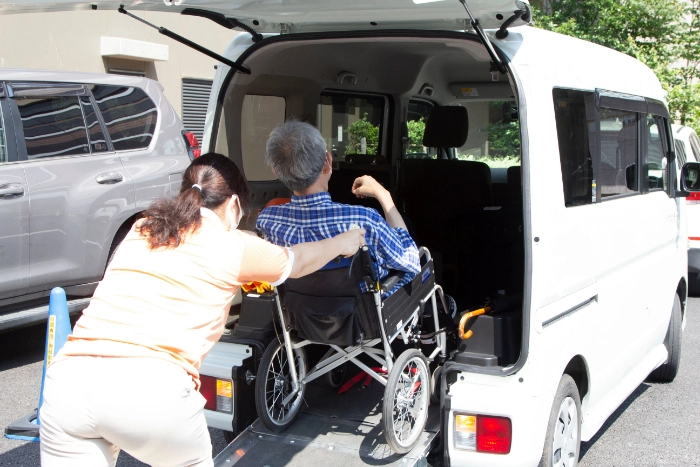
pixel 674 337
pixel 563 442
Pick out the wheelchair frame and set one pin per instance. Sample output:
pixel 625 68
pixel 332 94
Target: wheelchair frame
pixel 337 356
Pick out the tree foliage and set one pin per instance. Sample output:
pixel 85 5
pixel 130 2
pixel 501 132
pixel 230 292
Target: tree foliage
pixel 416 129
pixel 663 34
pixel 362 129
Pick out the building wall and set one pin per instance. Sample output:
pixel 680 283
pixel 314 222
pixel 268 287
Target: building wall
pixel 71 41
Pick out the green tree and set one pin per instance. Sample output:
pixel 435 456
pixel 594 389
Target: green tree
pixel 663 34
pixel 416 129
pixel 362 129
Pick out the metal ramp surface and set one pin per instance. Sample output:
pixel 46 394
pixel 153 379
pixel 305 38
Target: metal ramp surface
pixel 344 430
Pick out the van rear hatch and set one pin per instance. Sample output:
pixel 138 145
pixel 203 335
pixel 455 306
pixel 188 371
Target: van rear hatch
pixel 273 16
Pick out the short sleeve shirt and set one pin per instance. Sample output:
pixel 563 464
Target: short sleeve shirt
pixel 172 303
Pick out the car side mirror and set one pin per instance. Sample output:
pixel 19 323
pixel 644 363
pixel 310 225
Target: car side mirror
pixel 690 177
pixel 631 177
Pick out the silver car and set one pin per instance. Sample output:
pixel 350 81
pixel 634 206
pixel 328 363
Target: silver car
pixel 81 155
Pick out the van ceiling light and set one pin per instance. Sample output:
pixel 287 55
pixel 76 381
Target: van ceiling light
pixel 418 2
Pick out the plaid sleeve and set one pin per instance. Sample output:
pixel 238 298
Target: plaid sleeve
pixel 395 246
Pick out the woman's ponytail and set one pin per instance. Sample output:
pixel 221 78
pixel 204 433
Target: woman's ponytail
pixel 208 182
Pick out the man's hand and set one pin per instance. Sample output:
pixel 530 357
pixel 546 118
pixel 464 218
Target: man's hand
pixel 367 186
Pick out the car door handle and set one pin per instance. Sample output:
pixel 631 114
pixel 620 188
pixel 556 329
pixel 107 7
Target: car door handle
pixel 109 178
pixel 11 190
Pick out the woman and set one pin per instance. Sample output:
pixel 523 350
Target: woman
pixel 128 376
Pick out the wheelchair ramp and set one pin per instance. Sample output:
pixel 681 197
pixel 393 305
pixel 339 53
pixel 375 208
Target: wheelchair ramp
pixel 344 430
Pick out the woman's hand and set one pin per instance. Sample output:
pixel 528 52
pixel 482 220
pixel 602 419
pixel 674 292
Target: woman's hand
pixel 312 256
pixel 351 241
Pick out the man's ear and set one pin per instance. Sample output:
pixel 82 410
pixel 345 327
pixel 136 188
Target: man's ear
pixel 329 161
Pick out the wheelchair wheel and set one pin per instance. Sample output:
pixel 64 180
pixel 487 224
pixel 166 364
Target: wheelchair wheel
pixel 274 383
pixel 406 401
pixel 336 377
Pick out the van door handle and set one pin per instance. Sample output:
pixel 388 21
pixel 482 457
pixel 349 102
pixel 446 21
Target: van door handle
pixel 11 190
pixel 108 178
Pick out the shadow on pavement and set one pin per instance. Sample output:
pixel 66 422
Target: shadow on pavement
pixel 641 389
pixel 22 346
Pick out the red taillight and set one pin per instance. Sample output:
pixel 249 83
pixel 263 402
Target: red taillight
pixel 208 390
pixel 192 144
pixel 493 434
pixel 693 198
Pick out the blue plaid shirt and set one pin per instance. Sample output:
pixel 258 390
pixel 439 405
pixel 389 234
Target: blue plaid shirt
pixel 315 217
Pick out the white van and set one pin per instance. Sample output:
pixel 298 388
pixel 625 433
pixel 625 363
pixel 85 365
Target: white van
pixel 555 200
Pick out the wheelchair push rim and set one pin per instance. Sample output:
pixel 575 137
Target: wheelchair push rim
pixel 273 385
pixel 406 401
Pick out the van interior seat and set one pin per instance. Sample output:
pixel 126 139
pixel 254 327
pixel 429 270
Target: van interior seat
pixel 515 187
pixel 340 183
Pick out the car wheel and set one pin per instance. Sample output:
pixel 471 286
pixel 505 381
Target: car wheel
pixel 674 336
pixel 563 441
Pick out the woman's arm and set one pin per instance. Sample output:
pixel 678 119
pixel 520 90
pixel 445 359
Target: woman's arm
pixel 310 257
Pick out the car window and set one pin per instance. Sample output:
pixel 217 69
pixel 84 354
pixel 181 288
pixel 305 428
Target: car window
pixel 260 115
pixel 575 146
pixel 656 173
pixel 695 145
pixel 98 142
pixel 130 116
pixel 494 134
pixel 618 152
pixel 418 112
pixel 681 154
pixel 351 124
pixel 53 126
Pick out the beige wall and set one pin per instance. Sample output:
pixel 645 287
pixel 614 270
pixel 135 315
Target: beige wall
pixel 71 41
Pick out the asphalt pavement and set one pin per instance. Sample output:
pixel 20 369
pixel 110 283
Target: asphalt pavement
pixel 658 425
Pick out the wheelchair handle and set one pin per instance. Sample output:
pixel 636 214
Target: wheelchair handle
pixel 424 251
pixel 466 317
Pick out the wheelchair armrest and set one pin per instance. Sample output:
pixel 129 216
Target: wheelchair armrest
pixel 389 282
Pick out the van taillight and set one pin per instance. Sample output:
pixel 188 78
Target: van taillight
pixel 218 393
pixel 493 434
pixel 693 198
pixel 193 148
pixel 482 433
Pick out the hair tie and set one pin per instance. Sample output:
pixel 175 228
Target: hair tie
pixel 199 187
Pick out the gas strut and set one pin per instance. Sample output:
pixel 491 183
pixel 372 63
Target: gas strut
pixel 188 43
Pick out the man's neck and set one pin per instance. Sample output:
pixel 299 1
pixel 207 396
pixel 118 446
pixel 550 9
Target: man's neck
pixel 312 190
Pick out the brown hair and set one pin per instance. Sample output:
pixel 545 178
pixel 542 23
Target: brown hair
pixel 168 220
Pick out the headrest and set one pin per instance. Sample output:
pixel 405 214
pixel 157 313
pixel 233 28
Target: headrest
pixel 447 127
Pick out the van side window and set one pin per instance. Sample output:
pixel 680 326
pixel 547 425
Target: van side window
pixel 260 115
pixel 351 125
pixel 657 163
pixel 618 152
pixel 418 112
pixel 574 146
pixel 53 126
pixel 129 115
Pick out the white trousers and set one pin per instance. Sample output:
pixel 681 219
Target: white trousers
pixel 148 407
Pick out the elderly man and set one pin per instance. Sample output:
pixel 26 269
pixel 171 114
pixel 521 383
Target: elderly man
pixel 297 154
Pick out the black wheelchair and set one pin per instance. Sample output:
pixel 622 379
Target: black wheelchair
pixel 330 307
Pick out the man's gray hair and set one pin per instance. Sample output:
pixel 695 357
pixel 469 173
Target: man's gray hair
pixel 296 152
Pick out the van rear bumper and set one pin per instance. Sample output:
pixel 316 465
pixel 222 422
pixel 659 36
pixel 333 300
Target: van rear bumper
pixel 528 414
